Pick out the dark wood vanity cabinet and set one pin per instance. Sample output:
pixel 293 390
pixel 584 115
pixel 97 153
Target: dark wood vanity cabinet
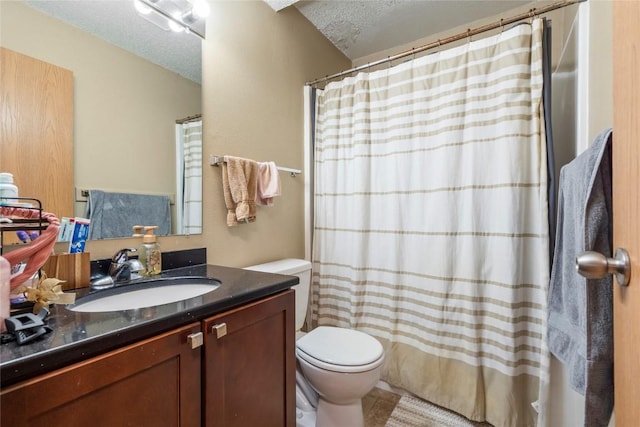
pixel 249 365
pixel 155 382
pixel 243 375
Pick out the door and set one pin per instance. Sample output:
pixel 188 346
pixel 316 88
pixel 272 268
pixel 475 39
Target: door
pixel 626 207
pixel 36 130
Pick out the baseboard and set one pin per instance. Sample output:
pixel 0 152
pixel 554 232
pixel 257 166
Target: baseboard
pixel 382 385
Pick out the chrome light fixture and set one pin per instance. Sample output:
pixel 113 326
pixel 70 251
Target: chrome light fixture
pixel 174 15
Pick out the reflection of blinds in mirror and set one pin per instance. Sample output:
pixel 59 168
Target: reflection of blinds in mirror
pixel 189 175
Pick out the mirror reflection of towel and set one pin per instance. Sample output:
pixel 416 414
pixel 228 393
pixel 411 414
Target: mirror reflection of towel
pixel 113 215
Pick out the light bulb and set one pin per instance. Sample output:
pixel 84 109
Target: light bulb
pixel 141 7
pixel 201 8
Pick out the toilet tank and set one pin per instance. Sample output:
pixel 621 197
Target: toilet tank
pixel 292 267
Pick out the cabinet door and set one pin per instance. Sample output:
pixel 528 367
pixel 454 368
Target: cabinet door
pixel 155 382
pixel 249 365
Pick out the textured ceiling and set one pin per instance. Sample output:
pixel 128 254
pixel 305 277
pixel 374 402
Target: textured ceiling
pixel 361 28
pixel 117 22
pixel 357 28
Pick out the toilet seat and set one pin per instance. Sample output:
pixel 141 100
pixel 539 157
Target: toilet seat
pixel 340 350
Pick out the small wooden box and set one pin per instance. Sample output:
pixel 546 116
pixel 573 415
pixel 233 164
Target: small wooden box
pixel 74 269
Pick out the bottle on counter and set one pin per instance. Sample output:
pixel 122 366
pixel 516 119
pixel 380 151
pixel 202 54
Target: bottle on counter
pixel 149 254
pixel 8 190
pixel 137 231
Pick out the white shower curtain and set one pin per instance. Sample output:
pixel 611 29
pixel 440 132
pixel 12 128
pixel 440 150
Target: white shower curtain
pixel 430 222
pixel 189 158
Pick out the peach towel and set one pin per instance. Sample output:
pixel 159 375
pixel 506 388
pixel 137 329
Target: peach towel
pixel 268 183
pixel 36 252
pixel 240 185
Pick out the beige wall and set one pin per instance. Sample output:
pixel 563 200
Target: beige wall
pixel 600 66
pixel 124 106
pixel 255 64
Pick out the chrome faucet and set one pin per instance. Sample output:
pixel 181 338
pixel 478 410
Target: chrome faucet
pixel 121 269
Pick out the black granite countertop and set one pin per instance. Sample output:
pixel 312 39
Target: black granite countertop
pixel 77 336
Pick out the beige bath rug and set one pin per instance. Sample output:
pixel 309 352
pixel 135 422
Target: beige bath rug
pixel 413 412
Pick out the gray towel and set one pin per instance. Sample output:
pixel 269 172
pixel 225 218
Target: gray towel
pixel 580 317
pixel 113 215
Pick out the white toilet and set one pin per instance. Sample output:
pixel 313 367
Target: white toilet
pixel 337 366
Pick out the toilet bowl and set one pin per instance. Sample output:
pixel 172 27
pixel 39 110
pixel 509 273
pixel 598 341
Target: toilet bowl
pixel 342 365
pixel 337 367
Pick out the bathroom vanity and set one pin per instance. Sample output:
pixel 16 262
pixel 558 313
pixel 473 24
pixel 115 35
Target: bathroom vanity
pixel 224 358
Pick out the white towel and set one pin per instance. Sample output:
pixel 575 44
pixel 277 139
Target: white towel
pixel 268 183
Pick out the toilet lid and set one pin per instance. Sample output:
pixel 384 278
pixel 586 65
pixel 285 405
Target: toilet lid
pixel 340 346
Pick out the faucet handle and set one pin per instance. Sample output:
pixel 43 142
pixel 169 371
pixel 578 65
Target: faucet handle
pixel 118 261
pixel 122 255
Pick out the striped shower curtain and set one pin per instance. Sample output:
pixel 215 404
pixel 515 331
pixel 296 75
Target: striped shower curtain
pixel 430 223
pixel 189 157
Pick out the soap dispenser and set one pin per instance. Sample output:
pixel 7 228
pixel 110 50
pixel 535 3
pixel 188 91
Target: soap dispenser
pixel 149 253
pixel 137 231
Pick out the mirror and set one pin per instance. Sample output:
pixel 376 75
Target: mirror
pixel 129 92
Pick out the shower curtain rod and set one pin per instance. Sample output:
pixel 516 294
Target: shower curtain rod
pixel 469 33
pixel 189 119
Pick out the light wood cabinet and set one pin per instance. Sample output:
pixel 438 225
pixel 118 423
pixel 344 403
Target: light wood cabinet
pixel 244 378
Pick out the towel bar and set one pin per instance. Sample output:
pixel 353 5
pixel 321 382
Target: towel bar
pixel 218 160
pixel 82 195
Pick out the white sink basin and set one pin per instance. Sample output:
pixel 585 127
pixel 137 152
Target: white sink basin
pixel 149 293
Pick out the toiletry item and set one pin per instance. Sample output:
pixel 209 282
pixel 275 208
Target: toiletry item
pixel 67 226
pixel 149 253
pixel 79 236
pixel 27 237
pixel 137 231
pixel 8 190
pixel 5 287
pixel 23 236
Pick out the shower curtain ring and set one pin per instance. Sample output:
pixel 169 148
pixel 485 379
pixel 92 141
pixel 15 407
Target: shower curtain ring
pixel 501 25
pixel 468 35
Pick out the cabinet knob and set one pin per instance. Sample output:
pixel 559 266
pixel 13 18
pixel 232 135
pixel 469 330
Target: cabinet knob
pixel 196 339
pixel 220 330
